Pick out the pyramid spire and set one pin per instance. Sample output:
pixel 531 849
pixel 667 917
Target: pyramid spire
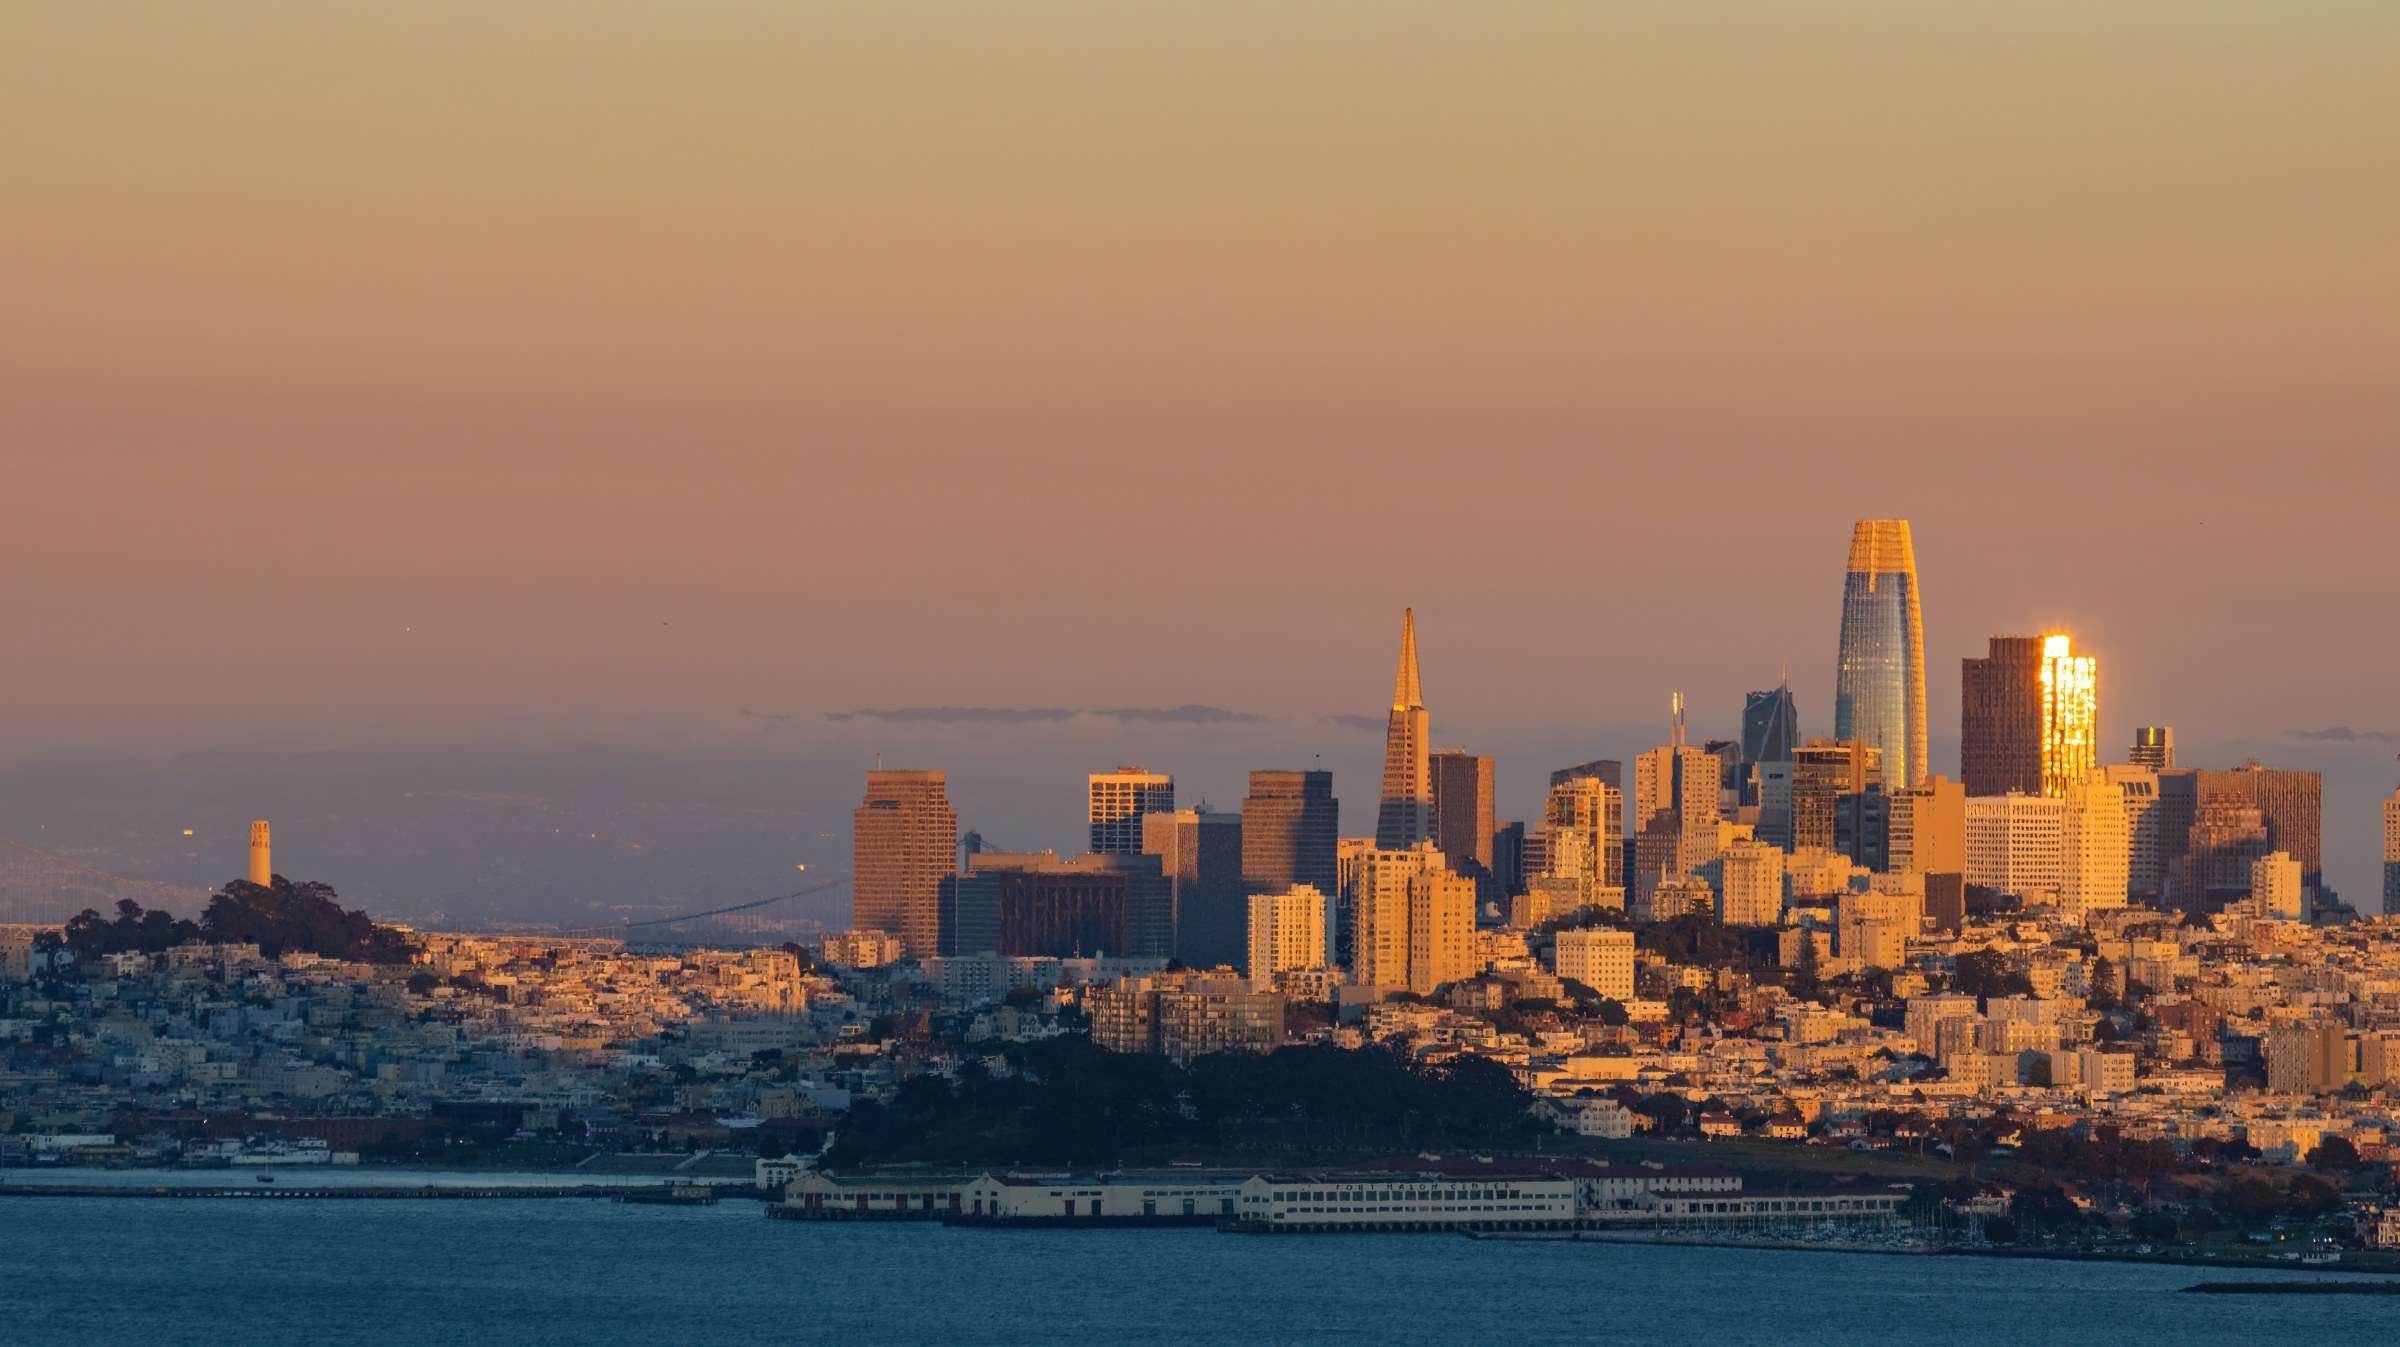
pixel 1406 694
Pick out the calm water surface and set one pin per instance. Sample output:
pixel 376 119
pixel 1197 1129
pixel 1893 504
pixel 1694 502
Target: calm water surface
pixel 524 1272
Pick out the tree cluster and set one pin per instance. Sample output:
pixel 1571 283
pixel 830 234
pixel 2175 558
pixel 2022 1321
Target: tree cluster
pixel 1069 1102
pixel 279 918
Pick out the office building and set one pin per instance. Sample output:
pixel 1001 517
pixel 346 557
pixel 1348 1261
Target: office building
pixel 1609 770
pixel 1290 825
pixel 1675 807
pixel 1097 905
pixel 1404 815
pixel 1823 772
pixel 1583 819
pixel 1200 852
pixel 2391 855
pixel 2209 834
pixel 1285 930
pixel 1599 957
pixel 1879 683
pixel 2028 716
pixel 1119 800
pixel 1463 820
pixel 2095 850
pixel 1770 726
pixel 1772 783
pixel 2015 844
pixel 903 840
pixel 1928 829
pixel 2153 747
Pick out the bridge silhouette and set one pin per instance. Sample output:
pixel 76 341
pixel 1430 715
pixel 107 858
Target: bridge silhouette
pixel 41 887
pixel 748 923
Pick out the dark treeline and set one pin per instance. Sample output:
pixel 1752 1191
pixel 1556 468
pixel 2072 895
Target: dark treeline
pixel 1072 1103
pixel 282 917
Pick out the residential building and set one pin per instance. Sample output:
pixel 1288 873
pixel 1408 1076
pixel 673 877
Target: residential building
pixel 1750 887
pixel 2275 888
pixel 2095 852
pixel 1119 800
pixel 1927 834
pixel 2145 855
pixel 1879 684
pixel 903 840
pixel 1411 919
pixel 1286 931
pixel 1599 957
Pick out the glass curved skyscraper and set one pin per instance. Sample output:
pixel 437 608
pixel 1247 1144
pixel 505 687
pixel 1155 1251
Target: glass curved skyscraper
pixel 1879 693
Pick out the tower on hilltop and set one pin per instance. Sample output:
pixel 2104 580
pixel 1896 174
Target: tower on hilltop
pixel 1405 817
pixel 1879 686
pixel 262 856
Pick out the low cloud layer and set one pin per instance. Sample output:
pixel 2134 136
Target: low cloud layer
pixel 1360 724
pixel 2343 734
pixel 955 715
pixel 1186 714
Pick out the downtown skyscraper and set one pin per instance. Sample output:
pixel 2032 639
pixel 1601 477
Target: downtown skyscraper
pixel 1405 814
pixel 2029 715
pixel 903 844
pixel 1879 687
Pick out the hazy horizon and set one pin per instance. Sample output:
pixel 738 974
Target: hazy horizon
pixel 440 429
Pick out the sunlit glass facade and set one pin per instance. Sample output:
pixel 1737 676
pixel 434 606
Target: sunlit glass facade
pixel 1879 690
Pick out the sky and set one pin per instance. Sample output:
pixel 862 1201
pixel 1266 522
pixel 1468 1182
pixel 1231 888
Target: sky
pixel 566 402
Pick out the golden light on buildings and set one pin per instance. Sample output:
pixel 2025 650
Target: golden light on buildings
pixel 2070 714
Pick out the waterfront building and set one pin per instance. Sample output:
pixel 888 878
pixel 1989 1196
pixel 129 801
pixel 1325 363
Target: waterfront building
pixel 1286 931
pixel 903 840
pixel 1404 815
pixel 2015 843
pixel 1927 834
pixel 1290 824
pixel 1119 800
pixel 2153 747
pixel 1463 818
pixel 1599 957
pixel 1200 852
pixel 1879 683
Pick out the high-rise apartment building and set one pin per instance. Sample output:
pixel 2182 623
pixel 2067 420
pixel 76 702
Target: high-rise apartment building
pixel 903 840
pixel 2391 855
pixel 1879 685
pixel 2095 848
pixel 1200 852
pixel 2145 856
pixel 1928 829
pixel 1411 920
pixel 2015 844
pixel 1463 820
pixel 1285 930
pixel 1750 888
pixel 2275 888
pixel 1583 820
pixel 1119 799
pixel 1675 807
pixel 2153 747
pixel 1404 816
pixel 1290 825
